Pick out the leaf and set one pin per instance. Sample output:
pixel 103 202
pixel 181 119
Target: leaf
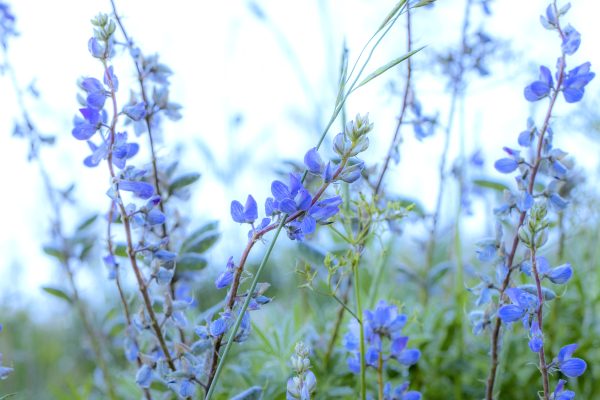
pixel 485 183
pixel 57 293
pixel 381 70
pixel 87 223
pixel 54 252
pixel 121 250
pixel 254 393
pixel 183 181
pixel 211 226
pixel 6 396
pixel 391 14
pixel 191 261
pixel 201 243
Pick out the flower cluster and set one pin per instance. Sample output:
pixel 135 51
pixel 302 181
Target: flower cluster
pixel 549 169
pixel 303 385
pixel 7 24
pixel 294 202
pixel 383 336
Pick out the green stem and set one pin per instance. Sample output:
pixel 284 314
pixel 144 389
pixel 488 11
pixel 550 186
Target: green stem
pixel 380 376
pixel 238 320
pixel 363 367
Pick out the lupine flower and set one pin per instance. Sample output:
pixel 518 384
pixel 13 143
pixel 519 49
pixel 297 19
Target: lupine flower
pixel 226 277
pixel 244 214
pixel 400 393
pixel 144 376
pixel 575 82
pixel 523 304
pixel 304 384
pixel 141 189
pixel 571 41
pixel 383 323
pixel 540 88
pixel 570 366
pixel 7 24
pixel 561 394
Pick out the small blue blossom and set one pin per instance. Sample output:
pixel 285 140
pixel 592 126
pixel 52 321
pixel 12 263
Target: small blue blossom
pixel 575 82
pixel 540 88
pixel 144 376
pixel 571 41
pixel 523 304
pixel 400 393
pixel 570 366
pixel 226 277
pixel 244 214
pixel 561 394
pixel 136 111
pixel 141 189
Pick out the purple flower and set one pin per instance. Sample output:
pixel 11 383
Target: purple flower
pixel 226 277
pixel 523 304
pixel 244 214
pixel 136 111
pixel 313 161
pixel 575 82
pixel 540 88
pixel 143 377
pixel 141 189
pixel 570 366
pixel 571 41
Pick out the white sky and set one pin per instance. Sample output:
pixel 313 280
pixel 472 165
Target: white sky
pixel 226 61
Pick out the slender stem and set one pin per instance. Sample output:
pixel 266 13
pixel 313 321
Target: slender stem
pixel 337 325
pixel 380 375
pixel 397 138
pixel 510 259
pixel 457 90
pixel 142 285
pixel 363 366
pixel 540 294
pixel 154 161
pixel 58 232
pixel 232 294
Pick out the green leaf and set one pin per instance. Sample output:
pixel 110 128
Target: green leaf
pixel 191 262
pixel 485 183
pixel 121 250
pixel 254 393
pixel 6 396
pixel 183 181
pixel 381 70
pixel 87 223
pixel 57 293
pixel 201 239
pixel 391 14
pixel 54 252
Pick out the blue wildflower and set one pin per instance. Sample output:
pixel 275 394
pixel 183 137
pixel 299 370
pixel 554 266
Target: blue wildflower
pixel 523 304
pixel 141 189
pixel 226 277
pixel 400 393
pixel 244 214
pixel 575 82
pixel 570 366
pixel 571 41
pixel 540 88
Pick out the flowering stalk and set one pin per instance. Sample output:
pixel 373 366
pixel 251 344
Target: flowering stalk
pixel 347 87
pixel 63 250
pixel 572 86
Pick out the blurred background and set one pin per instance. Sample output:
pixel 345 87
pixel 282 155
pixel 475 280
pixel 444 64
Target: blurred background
pixel 257 81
